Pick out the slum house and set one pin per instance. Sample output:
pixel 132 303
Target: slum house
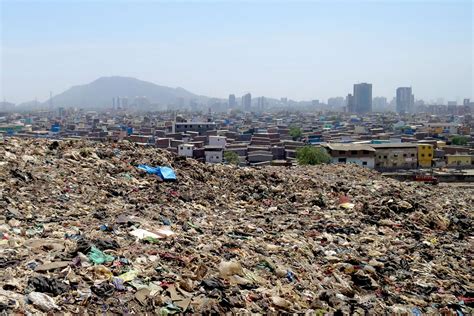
pixel 393 156
pixel 425 155
pixel 459 160
pixel 200 127
pixel 214 154
pixel 359 154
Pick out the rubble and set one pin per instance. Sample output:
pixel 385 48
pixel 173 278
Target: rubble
pixel 83 230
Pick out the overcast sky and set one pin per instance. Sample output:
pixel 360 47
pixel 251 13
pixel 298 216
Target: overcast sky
pixel 305 50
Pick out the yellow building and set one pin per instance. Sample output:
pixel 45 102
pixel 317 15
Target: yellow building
pixel 458 160
pixel 425 155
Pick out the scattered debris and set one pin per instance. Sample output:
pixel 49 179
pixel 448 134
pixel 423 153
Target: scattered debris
pixel 85 232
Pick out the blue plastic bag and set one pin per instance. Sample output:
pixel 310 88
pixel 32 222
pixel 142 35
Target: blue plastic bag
pixel 165 173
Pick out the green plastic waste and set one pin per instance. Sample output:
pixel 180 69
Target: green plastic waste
pixel 98 257
pixel 170 309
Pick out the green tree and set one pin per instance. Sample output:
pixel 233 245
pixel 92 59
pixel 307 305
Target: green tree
pixel 309 155
pixel 295 132
pixel 459 140
pixel 231 157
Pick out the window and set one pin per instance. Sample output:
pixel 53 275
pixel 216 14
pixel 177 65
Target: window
pixel 384 157
pixel 404 155
pixel 395 155
pixel 354 152
pixel 422 155
pixel 429 155
pixel 422 147
pixel 380 157
pixel 364 163
pixel 413 155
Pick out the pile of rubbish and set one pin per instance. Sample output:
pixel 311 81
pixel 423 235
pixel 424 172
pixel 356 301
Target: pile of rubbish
pixel 100 228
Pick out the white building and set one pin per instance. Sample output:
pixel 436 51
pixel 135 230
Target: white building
pixel 214 154
pixel 217 141
pixel 359 154
pixel 186 150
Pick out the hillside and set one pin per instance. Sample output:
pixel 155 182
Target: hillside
pixel 87 232
pixel 100 92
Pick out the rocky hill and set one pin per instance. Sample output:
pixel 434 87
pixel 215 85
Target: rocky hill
pixel 83 230
pixel 100 92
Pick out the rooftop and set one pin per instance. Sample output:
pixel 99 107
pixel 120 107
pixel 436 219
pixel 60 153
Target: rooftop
pixel 348 147
pixel 394 145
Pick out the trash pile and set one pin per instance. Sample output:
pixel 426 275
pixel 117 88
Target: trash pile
pixel 96 228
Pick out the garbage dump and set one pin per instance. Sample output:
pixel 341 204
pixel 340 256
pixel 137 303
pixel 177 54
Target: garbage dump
pixel 83 230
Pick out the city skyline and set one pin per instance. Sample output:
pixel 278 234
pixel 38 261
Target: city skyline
pixel 302 51
pixel 233 102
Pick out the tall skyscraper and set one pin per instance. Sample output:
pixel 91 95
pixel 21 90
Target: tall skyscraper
pixel 379 103
pixel 337 102
pixel 124 102
pixel 232 102
pixel 405 100
pixel 261 103
pixel 363 98
pixel 247 101
pixel 350 103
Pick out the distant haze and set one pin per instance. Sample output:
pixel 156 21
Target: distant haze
pixel 307 50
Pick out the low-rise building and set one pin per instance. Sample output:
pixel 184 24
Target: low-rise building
pixel 458 160
pixel 200 127
pixel 186 150
pixel 392 156
pixel 217 141
pixel 425 155
pixel 359 154
pixel 213 154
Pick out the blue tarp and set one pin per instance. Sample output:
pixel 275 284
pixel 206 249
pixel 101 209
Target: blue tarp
pixel 165 173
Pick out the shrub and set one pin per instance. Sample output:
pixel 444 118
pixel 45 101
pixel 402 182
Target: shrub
pixel 231 158
pixel 310 155
pixel 295 132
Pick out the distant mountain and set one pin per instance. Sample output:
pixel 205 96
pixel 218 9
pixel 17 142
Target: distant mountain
pixel 100 92
pixel 6 105
pixel 30 105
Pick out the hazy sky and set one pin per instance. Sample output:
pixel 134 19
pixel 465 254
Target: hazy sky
pixel 304 50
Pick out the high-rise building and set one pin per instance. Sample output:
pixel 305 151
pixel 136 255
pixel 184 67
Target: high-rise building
pixel 260 103
pixel 232 102
pixel 350 103
pixel 405 100
pixel 363 98
pixel 124 102
pixel 247 101
pixel 337 102
pixel 379 103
